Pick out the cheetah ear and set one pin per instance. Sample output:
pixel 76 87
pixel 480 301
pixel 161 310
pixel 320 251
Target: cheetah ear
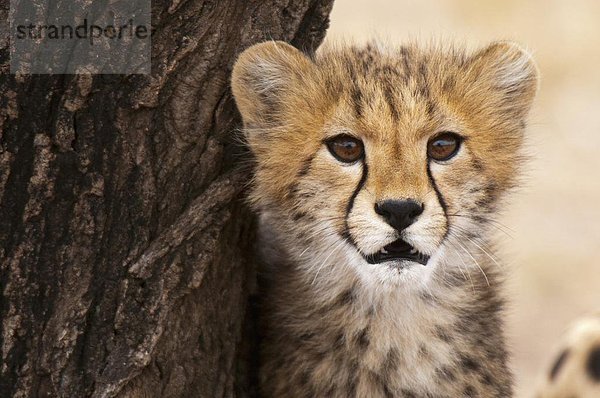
pixel 507 76
pixel 262 76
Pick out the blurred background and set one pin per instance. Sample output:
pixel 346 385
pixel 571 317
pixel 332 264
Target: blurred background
pixel 553 225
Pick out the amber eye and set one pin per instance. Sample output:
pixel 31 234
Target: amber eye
pixel 345 148
pixel 444 146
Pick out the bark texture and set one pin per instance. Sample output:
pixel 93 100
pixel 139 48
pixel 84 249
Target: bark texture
pixel 125 247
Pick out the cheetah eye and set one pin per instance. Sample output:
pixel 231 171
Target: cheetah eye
pixel 345 148
pixel 444 146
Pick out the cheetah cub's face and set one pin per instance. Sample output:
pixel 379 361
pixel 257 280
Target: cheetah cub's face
pixel 383 160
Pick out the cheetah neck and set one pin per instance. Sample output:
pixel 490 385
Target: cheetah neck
pixel 386 337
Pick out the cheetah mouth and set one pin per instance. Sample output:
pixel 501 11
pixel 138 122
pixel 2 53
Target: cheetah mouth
pixel 397 250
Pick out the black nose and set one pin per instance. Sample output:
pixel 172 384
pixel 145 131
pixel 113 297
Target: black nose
pixel 399 213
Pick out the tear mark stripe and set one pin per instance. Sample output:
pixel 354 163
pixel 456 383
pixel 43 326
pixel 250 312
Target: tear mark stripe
pixel 346 233
pixel 440 197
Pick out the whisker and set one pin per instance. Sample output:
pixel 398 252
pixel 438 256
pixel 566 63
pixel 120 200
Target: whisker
pixel 325 261
pixel 462 260
pixel 491 222
pixel 464 234
pixel 476 262
pixel 486 253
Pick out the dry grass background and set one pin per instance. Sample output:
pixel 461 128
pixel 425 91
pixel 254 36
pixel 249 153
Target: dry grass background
pixel 554 221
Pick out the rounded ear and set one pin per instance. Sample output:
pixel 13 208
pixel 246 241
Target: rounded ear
pixel 506 72
pixel 262 76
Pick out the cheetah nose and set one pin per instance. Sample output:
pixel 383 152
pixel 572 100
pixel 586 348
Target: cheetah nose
pixel 399 213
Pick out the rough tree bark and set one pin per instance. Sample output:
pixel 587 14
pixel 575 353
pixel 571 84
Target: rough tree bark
pixel 125 249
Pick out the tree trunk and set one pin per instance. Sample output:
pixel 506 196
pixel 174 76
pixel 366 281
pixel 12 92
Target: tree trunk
pixel 125 244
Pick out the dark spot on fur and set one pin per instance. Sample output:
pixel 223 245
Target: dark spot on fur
pixel 474 190
pixel 491 189
pixel 357 101
pixel 297 216
pixel 305 195
pixel 445 373
pixel 423 351
pixel 355 92
pixel 306 336
pixel 429 298
pixel 468 324
pixel 593 364
pixel 443 334
pixel 486 379
pixel 352 379
pixel 470 392
pixel 479 219
pixel 484 202
pixel 405 53
pixel 334 89
pixel 391 102
pixel 339 341
pixel 430 108
pixel 391 362
pixel 305 167
pixel 375 378
pixel 292 189
pixel 477 165
pixel 366 58
pixel 408 394
pixel 371 311
pixel 387 393
pixel 469 364
pixel 449 84
pixel 422 91
pixel 346 298
pixel 362 338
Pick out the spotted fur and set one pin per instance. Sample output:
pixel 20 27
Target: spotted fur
pixel 575 371
pixel 335 325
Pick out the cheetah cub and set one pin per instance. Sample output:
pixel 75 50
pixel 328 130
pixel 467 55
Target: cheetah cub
pixel 378 176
